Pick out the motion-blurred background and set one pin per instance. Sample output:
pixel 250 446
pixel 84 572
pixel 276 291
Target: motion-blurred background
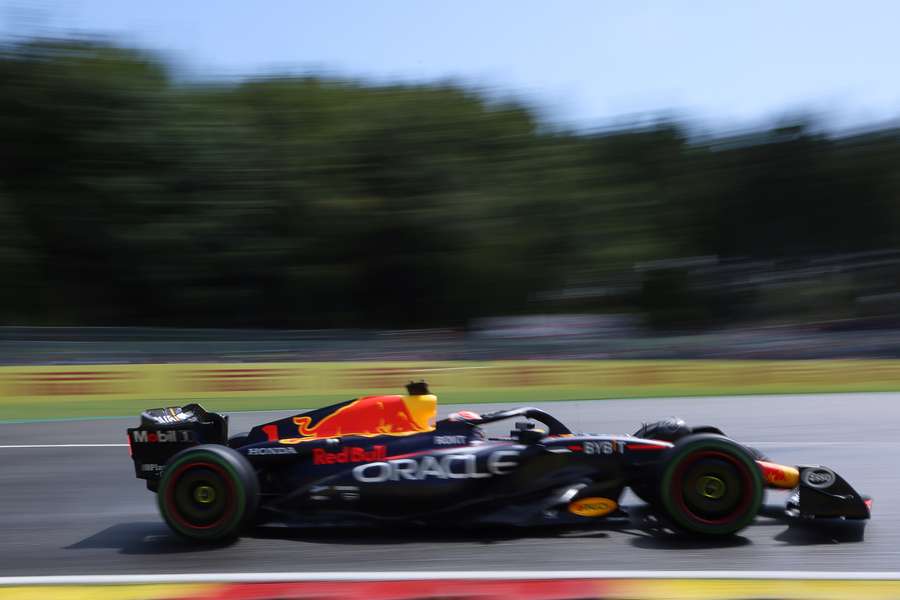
pixel 392 180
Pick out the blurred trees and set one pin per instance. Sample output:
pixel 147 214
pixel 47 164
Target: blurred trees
pixel 129 198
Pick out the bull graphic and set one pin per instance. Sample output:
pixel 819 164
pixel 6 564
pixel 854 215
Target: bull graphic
pixel 372 415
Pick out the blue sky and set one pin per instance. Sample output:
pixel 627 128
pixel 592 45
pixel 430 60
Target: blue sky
pixel 726 63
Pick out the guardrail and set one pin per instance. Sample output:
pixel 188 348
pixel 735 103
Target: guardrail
pixel 135 345
pixel 228 380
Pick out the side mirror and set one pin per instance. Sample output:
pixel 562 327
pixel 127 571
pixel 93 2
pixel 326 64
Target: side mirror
pixel 525 433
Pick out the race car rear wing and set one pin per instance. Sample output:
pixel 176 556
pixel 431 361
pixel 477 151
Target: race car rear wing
pixel 164 432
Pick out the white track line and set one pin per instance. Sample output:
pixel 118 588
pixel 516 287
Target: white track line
pixel 787 444
pixel 436 575
pixel 63 446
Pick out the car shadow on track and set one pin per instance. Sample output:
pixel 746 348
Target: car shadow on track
pixel 811 533
pixel 418 535
pixel 156 538
pixel 649 533
pixel 141 539
pixel 488 536
pixel 833 533
pixel 644 529
pixel 151 538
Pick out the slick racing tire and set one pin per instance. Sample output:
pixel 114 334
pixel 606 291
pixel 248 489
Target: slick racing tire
pixel 757 453
pixel 710 485
pixel 208 493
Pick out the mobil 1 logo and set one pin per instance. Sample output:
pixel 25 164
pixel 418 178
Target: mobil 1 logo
pixel 170 436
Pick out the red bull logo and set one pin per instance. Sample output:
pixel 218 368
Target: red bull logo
pixel 350 454
pixel 373 415
pixel 779 476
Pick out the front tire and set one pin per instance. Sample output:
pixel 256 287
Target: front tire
pixel 710 485
pixel 208 493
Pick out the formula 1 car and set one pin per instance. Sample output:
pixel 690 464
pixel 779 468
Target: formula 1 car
pixel 384 459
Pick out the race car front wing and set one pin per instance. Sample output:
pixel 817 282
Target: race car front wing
pixel 823 494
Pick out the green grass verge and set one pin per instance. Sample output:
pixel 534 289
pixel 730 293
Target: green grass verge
pixel 12 410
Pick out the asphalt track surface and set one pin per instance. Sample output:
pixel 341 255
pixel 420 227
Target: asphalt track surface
pixel 79 510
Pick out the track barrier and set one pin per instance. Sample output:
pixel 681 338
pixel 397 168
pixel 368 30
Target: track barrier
pixel 559 379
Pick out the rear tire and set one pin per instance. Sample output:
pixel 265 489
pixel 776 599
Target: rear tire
pixel 208 493
pixel 710 485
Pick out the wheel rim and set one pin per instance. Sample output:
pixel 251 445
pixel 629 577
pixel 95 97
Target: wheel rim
pixel 712 487
pixel 200 495
pixel 205 494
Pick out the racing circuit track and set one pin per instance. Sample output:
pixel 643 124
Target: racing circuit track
pixel 68 510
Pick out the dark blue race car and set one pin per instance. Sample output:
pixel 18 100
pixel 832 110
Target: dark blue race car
pixel 385 459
